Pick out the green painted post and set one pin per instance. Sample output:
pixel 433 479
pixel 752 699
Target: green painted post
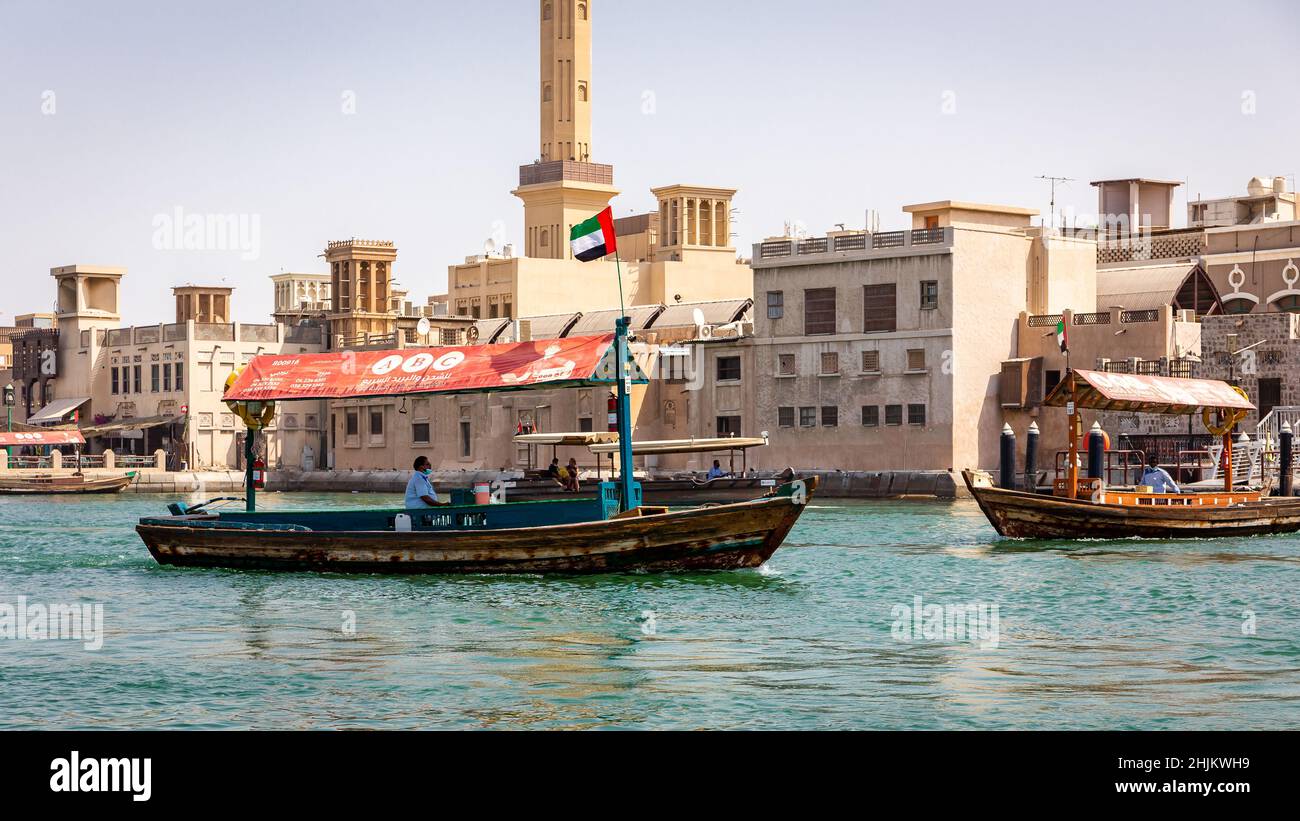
pixel 250 491
pixel 624 414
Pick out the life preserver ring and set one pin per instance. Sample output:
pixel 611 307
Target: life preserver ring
pixel 1220 422
pixel 240 409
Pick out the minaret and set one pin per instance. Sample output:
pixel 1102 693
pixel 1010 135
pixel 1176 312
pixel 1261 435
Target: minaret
pixel 566 80
pixel 563 187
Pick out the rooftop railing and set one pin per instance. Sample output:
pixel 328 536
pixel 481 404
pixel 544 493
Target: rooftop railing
pixel 850 242
pixel 557 170
pixel 1143 247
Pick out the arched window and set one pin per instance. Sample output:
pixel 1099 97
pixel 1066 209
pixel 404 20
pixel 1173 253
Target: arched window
pixel 546 11
pixel 582 92
pixel 582 11
pixel 547 94
pixel 545 241
pixel 1290 304
pixel 1238 306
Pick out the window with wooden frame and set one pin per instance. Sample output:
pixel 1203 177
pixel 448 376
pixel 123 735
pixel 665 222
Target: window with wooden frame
pixel 818 311
pixel 880 308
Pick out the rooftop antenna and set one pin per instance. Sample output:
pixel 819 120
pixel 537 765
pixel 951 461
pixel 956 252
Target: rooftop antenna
pixel 1054 180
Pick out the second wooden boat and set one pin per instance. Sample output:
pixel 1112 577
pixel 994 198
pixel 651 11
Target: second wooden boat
pixel 50 485
pixel 1021 515
pixel 1083 507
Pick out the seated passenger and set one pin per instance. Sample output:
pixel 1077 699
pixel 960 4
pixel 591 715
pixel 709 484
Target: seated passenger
pixel 419 490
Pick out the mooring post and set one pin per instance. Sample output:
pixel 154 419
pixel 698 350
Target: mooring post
pixel 1007 465
pixel 1031 458
pixel 1096 452
pixel 1286 462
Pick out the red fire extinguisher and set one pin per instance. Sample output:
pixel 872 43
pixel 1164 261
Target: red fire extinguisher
pixel 259 474
pixel 612 406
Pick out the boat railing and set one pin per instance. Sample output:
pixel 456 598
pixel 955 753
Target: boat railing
pixel 1247 461
pixel 1270 427
pixel 1192 465
pixel 1123 465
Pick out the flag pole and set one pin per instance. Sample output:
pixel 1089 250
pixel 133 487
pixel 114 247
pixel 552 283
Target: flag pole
pixel 618 267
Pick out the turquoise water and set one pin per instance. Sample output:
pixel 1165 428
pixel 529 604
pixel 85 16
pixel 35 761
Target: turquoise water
pixel 1117 635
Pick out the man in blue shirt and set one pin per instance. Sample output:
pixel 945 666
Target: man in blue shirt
pixel 1158 478
pixel 716 471
pixel 419 491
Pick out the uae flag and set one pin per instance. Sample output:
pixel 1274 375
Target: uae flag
pixel 1061 338
pixel 594 239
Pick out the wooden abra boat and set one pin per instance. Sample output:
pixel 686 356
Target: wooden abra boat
pixel 1021 515
pixel 614 532
pixel 1084 508
pixel 517 537
pixel 55 485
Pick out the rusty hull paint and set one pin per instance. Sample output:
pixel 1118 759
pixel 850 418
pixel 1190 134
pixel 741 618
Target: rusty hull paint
pixel 723 538
pixel 1019 515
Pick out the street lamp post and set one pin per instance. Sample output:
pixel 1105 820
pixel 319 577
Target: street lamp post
pixel 10 399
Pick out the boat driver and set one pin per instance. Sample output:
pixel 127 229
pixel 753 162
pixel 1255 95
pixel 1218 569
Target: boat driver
pixel 1158 478
pixel 419 490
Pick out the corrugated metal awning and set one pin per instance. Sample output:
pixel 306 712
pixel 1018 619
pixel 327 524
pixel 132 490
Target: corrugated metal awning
pixel 56 410
pixel 136 423
pixel 715 313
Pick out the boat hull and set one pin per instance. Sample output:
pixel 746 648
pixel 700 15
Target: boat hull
pixel 30 487
pixel 729 537
pixel 1020 515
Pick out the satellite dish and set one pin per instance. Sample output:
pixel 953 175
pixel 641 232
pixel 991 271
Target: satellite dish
pixel 423 327
pixel 490 247
pixel 698 316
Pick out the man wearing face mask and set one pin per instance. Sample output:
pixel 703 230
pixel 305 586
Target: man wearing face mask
pixel 419 491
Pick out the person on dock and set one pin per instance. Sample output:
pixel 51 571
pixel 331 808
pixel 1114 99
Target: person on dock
pixel 419 490
pixel 1158 478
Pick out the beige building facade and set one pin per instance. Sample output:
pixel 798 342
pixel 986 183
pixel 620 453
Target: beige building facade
pixel 881 351
pixel 135 390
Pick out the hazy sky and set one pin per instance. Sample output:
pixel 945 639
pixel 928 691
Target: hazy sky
pixel 816 111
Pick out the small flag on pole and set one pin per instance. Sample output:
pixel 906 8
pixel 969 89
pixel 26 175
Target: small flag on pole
pixel 594 239
pixel 1062 338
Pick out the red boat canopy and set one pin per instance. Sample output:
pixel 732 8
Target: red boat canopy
pixel 43 437
pixel 585 361
pixel 1098 390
